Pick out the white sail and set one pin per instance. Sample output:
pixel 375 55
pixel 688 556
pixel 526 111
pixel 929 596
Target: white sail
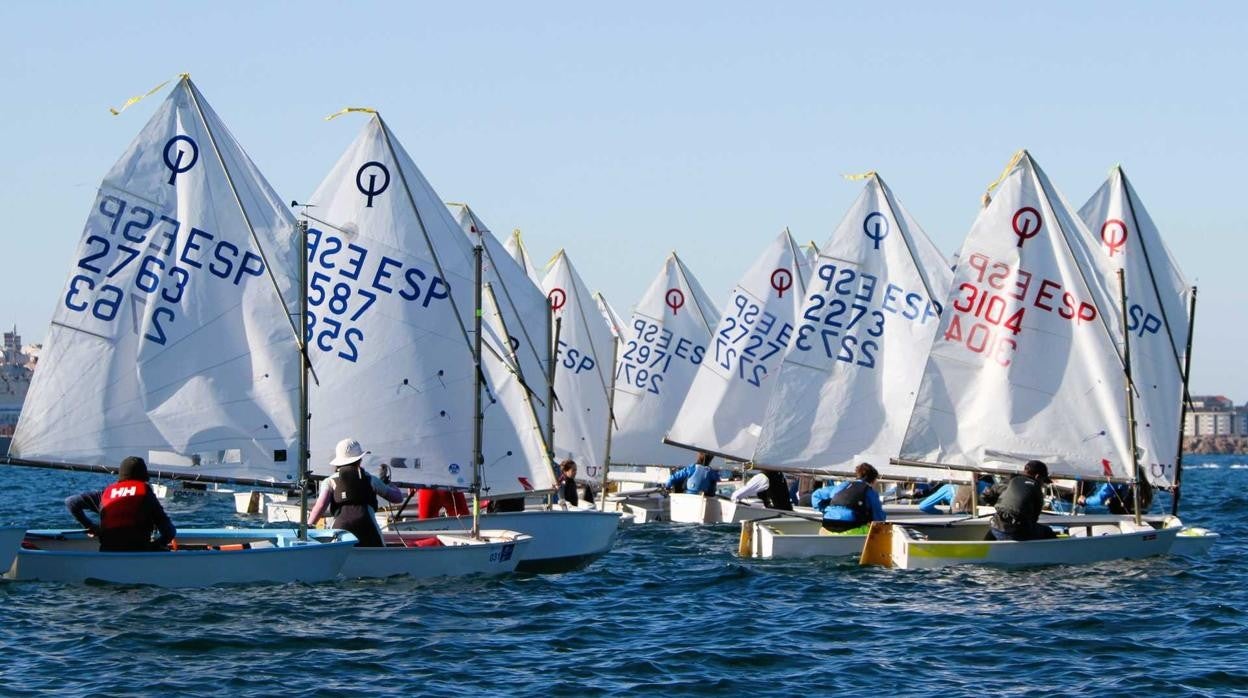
pixel 1157 317
pixel 523 305
pixel 664 342
pixel 608 313
pixel 391 286
pixel 583 370
pixel 1026 363
pixel 811 252
pixel 515 247
pixel 507 399
pixel 849 377
pixel 170 340
pixel 725 405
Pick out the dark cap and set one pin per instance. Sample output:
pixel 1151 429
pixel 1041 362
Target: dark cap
pixel 133 468
pixel 1036 469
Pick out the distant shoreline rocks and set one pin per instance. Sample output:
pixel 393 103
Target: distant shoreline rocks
pixel 1215 445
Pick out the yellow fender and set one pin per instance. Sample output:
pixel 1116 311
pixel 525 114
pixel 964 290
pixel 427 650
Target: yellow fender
pixel 745 546
pixel 878 549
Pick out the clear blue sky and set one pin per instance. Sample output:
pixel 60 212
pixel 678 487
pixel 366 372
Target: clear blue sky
pixel 623 131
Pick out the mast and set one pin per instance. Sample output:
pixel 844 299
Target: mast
pixel 302 227
pixel 1187 372
pixel 1126 365
pixel 606 460
pixel 477 416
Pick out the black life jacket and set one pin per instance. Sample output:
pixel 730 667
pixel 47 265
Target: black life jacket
pixel 353 506
pixel 567 491
pixel 1019 505
pixel 854 498
pixel 353 488
pixel 126 519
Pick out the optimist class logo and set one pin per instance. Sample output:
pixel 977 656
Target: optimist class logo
pixel 1026 223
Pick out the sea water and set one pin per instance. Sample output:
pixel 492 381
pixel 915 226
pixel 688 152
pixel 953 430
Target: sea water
pixel 670 611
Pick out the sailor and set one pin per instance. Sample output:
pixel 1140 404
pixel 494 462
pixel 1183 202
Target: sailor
pixel 1019 502
pixel 848 507
pixel 769 486
pixel 350 495
pixel 957 497
pixel 696 478
pixel 1118 498
pixel 567 483
pixel 129 511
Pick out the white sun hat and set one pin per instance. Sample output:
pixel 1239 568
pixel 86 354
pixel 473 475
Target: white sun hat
pixel 347 452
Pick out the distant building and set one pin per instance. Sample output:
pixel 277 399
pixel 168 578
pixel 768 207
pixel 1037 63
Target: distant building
pixel 1215 415
pixel 13 348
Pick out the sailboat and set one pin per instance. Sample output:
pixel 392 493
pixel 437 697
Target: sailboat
pixel 724 407
pixel 1160 313
pixel 174 340
pixel 411 355
pixel 1029 363
pixel 850 374
pixel 665 341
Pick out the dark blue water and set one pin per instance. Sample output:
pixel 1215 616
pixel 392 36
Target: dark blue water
pixel 672 611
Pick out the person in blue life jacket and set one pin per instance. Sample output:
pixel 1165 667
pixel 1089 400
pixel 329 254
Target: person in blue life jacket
pixel 697 478
pixel 956 497
pixel 129 512
pixel 1019 502
pixel 1117 498
pixel 849 507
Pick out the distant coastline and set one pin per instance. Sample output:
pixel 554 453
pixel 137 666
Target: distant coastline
pixel 1213 445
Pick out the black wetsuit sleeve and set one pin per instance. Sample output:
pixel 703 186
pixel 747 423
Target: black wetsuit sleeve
pixel 78 506
pixel 992 494
pixel 163 525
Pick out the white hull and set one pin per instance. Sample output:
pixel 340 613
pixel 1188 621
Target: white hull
pixel 257 502
pixel 74 557
pixel 10 542
pixel 562 540
pixel 697 509
pixel 644 508
pixel 926 547
pixel 495 552
pixel 789 537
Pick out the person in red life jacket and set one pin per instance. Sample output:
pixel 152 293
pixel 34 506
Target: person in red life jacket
pixel 350 495
pixel 129 511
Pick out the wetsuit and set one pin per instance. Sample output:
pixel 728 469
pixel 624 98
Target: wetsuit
pixel 948 494
pixel 567 491
pixel 350 496
pixel 1018 503
pixel 129 511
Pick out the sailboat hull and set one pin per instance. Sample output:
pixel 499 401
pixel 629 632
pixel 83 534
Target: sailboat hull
pixel 926 547
pixel 10 541
pixel 791 537
pixel 275 556
pixel 697 509
pixel 563 541
pixel 453 555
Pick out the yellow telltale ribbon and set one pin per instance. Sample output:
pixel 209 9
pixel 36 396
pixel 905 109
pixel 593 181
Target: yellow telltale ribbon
pixel 350 110
pixel 1004 173
pixel 863 175
pixel 139 98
